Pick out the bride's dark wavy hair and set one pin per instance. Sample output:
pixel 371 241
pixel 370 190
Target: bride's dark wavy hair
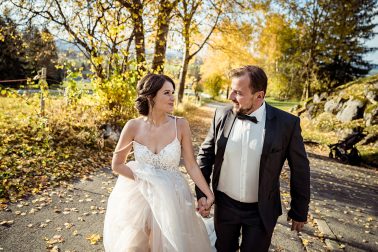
pixel 147 89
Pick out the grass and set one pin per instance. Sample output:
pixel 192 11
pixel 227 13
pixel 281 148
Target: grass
pixel 284 105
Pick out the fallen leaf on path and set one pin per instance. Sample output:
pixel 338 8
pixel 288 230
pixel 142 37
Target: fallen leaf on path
pixel 305 242
pixel 94 238
pixel 6 223
pixel 33 210
pixel 56 239
pixel 68 225
pixel 55 249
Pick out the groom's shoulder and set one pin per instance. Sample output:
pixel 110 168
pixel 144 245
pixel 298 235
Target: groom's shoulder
pixel 281 113
pixel 223 110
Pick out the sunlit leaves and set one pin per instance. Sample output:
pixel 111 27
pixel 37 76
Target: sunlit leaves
pixel 229 40
pixel 36 153
pixel 94 238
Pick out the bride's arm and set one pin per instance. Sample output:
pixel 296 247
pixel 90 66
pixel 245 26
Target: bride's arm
pixel 190 162
pixel 122 150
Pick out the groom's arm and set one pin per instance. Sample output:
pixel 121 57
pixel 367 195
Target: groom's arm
pixel 299 176
pixel 206 155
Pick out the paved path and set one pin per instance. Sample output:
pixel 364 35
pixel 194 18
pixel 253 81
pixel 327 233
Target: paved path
pixel 343 214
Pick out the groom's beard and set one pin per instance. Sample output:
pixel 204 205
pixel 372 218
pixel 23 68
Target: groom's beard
pixel 245 111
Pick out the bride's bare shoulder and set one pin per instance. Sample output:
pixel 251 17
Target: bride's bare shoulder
pixel 182 123
pixel 133 124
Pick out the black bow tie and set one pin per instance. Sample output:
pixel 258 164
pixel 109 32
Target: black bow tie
pixel 246 117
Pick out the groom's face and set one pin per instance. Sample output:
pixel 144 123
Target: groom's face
pixel 241 95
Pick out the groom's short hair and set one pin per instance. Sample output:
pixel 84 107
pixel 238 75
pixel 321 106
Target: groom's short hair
pixel 257 77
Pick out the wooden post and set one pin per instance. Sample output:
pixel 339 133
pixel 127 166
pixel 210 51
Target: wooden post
pixel 42 85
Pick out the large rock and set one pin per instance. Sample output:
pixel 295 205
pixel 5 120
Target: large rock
pixel 334 105
pixel 109 135
pixel 319 98
pixel 313 110
pixel 371 93
pixel 371 115
pixel 351 110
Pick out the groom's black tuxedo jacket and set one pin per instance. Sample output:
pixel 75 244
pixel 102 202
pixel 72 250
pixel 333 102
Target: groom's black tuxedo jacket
pixel 283 141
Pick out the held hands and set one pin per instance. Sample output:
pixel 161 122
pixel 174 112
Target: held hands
pixel 296 225
pixel 204 205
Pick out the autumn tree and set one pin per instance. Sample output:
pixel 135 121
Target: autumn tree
pixel 188 13
pixel 229 47
pixel 98 28
pixel 163 19
pixel 277 52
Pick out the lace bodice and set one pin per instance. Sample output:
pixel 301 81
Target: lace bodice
pixel 168 158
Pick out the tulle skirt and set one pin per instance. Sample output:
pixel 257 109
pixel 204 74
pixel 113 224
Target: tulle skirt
pixel 156 212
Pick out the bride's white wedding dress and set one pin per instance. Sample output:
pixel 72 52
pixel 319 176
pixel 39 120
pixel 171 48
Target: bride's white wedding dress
pixel 156 212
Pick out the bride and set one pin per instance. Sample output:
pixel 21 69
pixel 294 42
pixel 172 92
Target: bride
pixel 151 207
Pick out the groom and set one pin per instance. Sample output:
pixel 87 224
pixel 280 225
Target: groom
pixel 245 149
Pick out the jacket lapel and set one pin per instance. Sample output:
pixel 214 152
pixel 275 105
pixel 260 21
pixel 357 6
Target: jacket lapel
pixel 223 137
pixel 221 145
pixel 270 130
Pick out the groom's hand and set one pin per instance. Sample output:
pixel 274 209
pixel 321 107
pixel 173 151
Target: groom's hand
pixel 202 204
pixel 296 225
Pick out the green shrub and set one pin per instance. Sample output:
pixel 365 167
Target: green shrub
pixel 326 122
pixel 214 84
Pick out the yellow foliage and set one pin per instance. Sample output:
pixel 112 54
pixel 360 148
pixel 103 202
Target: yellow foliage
pixel 230 48
pixel 94 238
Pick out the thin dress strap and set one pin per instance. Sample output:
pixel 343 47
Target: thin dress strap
pixel 123 148
pixel 176 125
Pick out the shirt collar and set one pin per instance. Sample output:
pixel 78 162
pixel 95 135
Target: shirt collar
pixel 259 113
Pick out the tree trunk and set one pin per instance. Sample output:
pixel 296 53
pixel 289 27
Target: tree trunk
pixel 306 91
pixel 136 10
pixel 162 22
pixel 160 47
pixel 184 70
pixel 139 43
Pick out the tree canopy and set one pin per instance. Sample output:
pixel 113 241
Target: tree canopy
pixel 304 46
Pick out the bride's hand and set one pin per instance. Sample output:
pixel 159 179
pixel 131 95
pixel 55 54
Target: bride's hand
pixel 209 201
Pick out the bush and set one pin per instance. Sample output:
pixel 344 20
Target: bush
pixel 37 152
pixel 326 122
pixel 116 97
pixel 214 84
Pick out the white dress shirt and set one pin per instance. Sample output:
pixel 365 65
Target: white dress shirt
pixel 239 177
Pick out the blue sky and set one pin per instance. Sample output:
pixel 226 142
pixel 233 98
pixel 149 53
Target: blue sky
pixel 373 57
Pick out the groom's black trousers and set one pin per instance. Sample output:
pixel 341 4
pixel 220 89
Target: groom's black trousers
pixel 231 218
